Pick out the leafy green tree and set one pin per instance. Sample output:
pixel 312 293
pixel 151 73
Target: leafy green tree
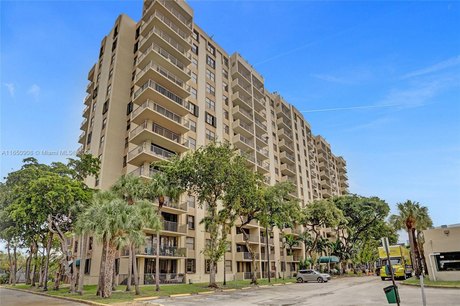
pixel 412 217
pixel 364 222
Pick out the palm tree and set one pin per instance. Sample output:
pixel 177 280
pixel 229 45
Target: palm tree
pixel 411 217
pixel 161 188
pixel 290 241
pixel 130 188
pixel 107 219
pixel 307 240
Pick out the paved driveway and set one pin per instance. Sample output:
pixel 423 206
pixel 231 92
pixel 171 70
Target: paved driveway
pixel 345 291
pixel 16 298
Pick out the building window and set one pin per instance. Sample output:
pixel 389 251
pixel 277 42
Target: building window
pixel 112 60
pixel 193 92
pixel 191 265
pixel 101 143
pixel 207 266
pixel 91 122
pixel 448 261
pixel 105 107
pixel 225 61
pixel 226 129
pixel 210 104
pixel 210 119
pixel 90 243
pixel 129 108
pixel 191 201
pixel 225 86
pixel 193 109
pixel 88 141
pixel 75 247
pixel 194 77
pixel 211 63
pixel 194 62
pixel 124 161
pixel 210 89
pixel 110 73
pixel 191 222
pixel 225 73
pixel 225 98
pixel 195 35
pixel 228 266
pixel 226 114
pixel 195 49
pixel 109 90
pixel 191 143
pixel 192 125
pixel 104 123
pixel 210 135
pixel 211 49
pixel 190 243
pixel 114 44
pixel 87 265
pixel 210 75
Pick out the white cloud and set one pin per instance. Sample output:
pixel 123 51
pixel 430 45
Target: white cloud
pixel 451 62
pixel 11 88
pixel 34 91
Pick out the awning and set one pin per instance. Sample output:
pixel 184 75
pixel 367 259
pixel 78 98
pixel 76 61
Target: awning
pixel 327 259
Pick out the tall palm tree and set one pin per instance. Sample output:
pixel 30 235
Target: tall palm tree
pixel 132 189
pixel 162 189
pixel 411 217
pixel 107 219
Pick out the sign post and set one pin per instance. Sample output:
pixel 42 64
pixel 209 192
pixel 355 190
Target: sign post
pixel 386 247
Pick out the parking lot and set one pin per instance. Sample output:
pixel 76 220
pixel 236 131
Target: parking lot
pixel 345 291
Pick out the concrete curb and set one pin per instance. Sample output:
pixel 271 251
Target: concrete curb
pixel 146 298
pixel 58 297
pixel 206 292
pixel 180 295
pixel 431 286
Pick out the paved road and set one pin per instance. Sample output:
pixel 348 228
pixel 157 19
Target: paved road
pixel 344 292
pixel 16 298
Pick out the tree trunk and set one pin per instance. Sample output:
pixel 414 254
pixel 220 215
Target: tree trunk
pixel 35 262
pixel 130 269
pixel 157 263
pixel 212 274
pixel 267 248
pixel 10 262
pixel 57 278
pixel 108 271
pixel 42 266
pixel 47 262
pixel 81 274
pixel 102 268
pixel 418 271
pixel 135 271
pixel 28 264
pixel 413 254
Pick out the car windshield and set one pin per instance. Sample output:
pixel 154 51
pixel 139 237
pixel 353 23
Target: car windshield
pixel 394 261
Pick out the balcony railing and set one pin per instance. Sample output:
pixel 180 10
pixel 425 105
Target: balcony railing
pixel 262 151
pixel 160 89
pixel 164 53
pixel 165 251
pixel 165 278
pixel 168 22
pixel 166 37
pixel 263 139
pixel 171 226
pixel 159 109
pixel 246 126
pixel 172 10
pixel 247 255
pixel 264 165
pixel 152 149
pixel 143 171
pixel 261 124
pixel 170 76
pixel 245 140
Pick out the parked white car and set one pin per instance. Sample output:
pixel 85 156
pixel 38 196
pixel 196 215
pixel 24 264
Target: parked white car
pixel 309 275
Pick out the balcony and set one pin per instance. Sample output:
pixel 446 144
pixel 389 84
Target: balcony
pixel 84 124
pixel 286 178
pixel 82 138
pixel 241 113
pixel 150 110
pixel 262 139
pixel 246 256
pixel 165 41
pixel 260 126
pixel 325 184
pixel 240 84
pixel 284 111
pixel 263 166
pixel 174 207
pixel 287 169
pixel 155 92
pixel 239 238
pixel 165 251
pixel 149 131
pixel 284 123
pixel 243 128
pixel 285 134
pixel 286 145
pixel 262 153
pixel 148 153
pixel 143 171
pixel 250 159
pixel 173 228
pixel 185 20
pixel 326 193
pixel 243 143
pixel 286 157
pixel 164 58
pixel 85 112
pixel 259 104
pixel 242 100
pixel 88 99
pixel 159 19
pixel 264 239
pixel 161 75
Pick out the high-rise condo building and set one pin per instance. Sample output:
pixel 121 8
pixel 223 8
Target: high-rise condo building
pixel 161 87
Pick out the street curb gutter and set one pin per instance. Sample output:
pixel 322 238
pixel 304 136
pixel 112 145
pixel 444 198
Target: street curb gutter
pixel 58 297
pixel 431 286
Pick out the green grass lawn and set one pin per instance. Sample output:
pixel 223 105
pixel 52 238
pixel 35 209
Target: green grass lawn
pixel 444 284
pixel 120 295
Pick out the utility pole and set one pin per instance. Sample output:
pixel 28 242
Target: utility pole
pixel 386 246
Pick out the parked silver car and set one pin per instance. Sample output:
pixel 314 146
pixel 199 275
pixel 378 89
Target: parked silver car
pixel 309 275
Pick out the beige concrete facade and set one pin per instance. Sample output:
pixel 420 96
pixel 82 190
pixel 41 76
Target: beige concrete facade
pixel 442 252
pixel 170 88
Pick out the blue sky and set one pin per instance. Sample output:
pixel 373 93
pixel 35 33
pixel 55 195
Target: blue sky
pixel 379 80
